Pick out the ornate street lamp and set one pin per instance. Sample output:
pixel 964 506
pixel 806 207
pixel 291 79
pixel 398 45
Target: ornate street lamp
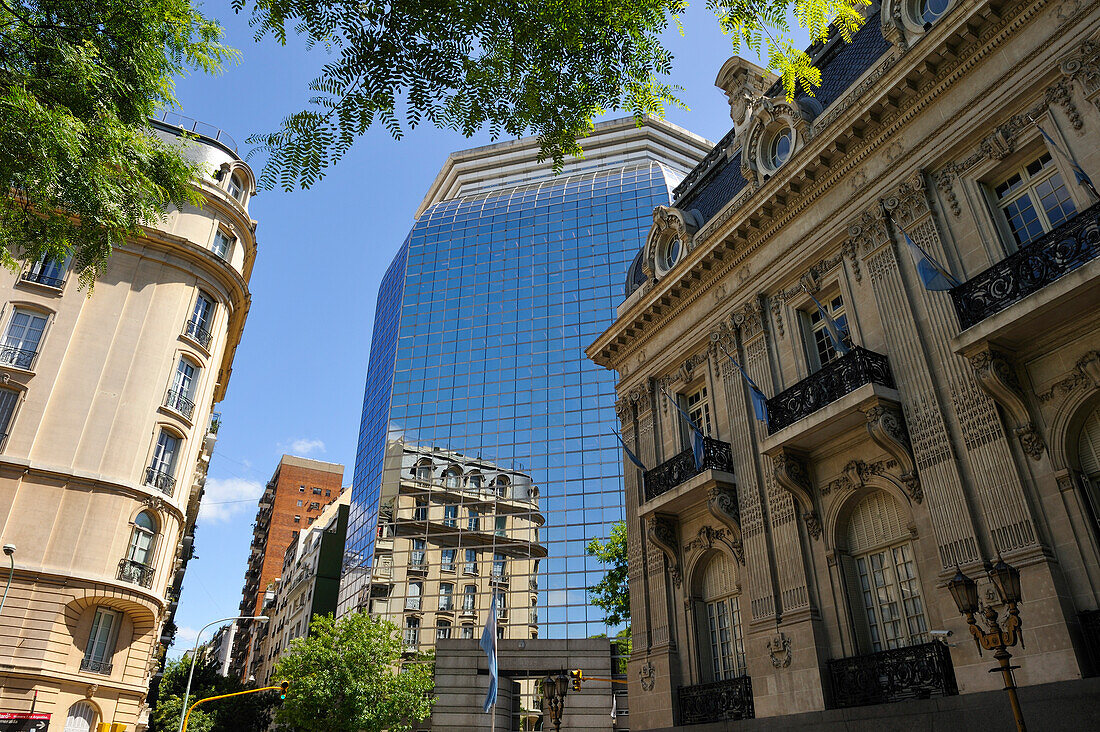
pixel 554 688
pixel 1000 636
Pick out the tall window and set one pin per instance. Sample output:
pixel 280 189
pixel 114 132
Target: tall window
pixel 471 562
pixel 475 482
pixel 501 528
pixel 235 187
pixel 887 592
pixel 412 600
pixel 423 470
pixel 202 317
pixel 223 244
pixel 418 559
pixel 162 468
pixel 698 408
pixel 500 484
pixel 443 629
pixel 22 339
pixel 47 270
pixel 1034 199
pixel 502 609
pixel 412 632
pixel 9 398
pixel 499 565
pixel 446 596
pixel 447 563
pixel 1088 456
pixel 101 641
pixel 474 523
pixel 452 478
pixel 723 634
pixel 469 598
pixel 181 396
pixel 821 343
pixel 467 631
pixel 450 515
pixel 142 536
pixel 420 513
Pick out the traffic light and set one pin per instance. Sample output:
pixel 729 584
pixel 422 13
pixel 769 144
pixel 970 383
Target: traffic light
pixel 283 689
pixel 578 678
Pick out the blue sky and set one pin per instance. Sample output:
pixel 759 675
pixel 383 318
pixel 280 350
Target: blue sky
pixel 297 383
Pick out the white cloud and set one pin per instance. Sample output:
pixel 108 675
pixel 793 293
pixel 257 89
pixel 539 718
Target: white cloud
pixel 185 637
pixel 228 497
pixel 303 446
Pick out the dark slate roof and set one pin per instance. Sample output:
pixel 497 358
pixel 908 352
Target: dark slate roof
pixel 635 277
pixel 716 189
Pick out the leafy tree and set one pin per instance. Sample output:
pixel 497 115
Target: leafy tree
pixel 348 676
pixel 251 713
pixel 78 81
pixel 612 593
pixel 512 66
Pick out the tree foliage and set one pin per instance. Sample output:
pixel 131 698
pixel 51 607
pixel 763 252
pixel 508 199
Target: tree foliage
pixel 348 675
pixel 612 593
pixel 251 713
pixel 78 81
pixel 547 67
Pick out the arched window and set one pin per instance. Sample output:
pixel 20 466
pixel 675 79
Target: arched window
pixel 161 473
pixel 236 187
pixel 779 147
pixel 202 318
pixel 882 575
pixel 927 12
pixel 500 486
pixel 423 470
pixel 81 717
pixel 1088 456
pixel 475 481
pixel 452 477
pixel 142 537
pixel 718 619
pixel 181 397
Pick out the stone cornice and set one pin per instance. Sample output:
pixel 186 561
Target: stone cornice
pixel 740 229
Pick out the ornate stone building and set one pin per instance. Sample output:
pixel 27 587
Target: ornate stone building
pixel 803 565
pixel 107 432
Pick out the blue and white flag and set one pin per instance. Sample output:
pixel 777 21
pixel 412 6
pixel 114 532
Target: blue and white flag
pixel 489 645
pixel 759 401
pixel 837 333
pixel 1080 175
pixel 630 455
pixel 696 435
pixel 931 272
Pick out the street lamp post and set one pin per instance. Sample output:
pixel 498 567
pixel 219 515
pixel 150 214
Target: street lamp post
pixel 9 549
pixel 554 689
pixel 1000 636
pixel 195 653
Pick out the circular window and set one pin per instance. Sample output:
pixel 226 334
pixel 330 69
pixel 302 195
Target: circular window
pixel 669 254
pixel 931 10
pixel 779 149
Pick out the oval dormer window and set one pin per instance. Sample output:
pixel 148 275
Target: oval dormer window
pixel 931 10
pixel 779 149
pixel 669 254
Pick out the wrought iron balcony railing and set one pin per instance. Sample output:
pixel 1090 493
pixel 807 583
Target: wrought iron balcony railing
pixel 93 666
pixel 20 358
pixel 160 479
pixel 135 572
pixel 679 469
pixel 178 401
pixel 837 378
pixel 42 278
pixel 913 672
pixel 1034 266
pixel 729 699
pixel 198 332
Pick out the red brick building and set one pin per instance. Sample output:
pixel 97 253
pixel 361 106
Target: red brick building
pixel 293 499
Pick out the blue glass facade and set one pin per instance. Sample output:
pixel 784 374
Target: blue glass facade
pixel 478 351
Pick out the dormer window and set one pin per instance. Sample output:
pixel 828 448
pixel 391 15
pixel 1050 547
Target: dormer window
pixel 236 188
pixel 929 11
pixel 668 254
pixel 779 147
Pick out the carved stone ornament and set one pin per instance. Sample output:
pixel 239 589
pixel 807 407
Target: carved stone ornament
pixel 744 84
pixel 661 531
pixel 91 690
pixel 646 676
pixel 997 377
pixel 1085 373
pixel 722 504
pixel 790 472
pixel 156 503
pixel 1082 65
pixel 779 649
pixel 750 319
pixel 886 426
pixel 668 223
pixel 769 117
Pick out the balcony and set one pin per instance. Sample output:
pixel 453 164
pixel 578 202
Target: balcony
pixel 1033 267
pixel 721 700
pixel 835 380
pixel 913 672
pixel 160 479
pixel 96 667
pixel 179 401
pixel 20 358
pixel 42 277
pixel 681 468
pixel 197 332
pixel 135 573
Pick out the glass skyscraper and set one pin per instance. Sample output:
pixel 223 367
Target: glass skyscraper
pixel 486 458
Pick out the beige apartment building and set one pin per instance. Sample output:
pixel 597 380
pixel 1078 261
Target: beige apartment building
pixel 803 566
pixel 105 411
pixel 460 530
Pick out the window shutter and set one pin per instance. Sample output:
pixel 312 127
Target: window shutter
pixel 8 399
pixel 878 520
pixel 1088 446
pixel 719 578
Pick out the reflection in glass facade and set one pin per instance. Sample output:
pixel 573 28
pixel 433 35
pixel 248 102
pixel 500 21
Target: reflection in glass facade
pixel 486 459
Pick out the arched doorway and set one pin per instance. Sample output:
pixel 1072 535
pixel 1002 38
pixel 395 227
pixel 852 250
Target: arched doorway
pixel 81 717
pixel 721 644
